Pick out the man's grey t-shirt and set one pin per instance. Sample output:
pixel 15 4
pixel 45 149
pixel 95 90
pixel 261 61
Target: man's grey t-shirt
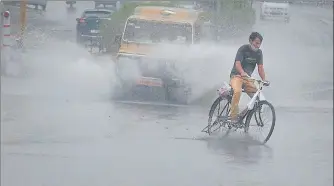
pixel 248 58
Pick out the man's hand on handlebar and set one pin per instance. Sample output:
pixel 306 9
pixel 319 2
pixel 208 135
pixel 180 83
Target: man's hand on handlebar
pixel 266 83
pixel 245 76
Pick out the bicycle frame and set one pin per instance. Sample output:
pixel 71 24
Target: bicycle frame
pixel 226 93
pixel 257 96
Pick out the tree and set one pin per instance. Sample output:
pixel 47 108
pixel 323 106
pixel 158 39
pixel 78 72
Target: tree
pixel 233 16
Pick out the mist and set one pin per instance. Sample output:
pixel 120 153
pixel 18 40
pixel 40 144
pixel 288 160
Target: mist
pixel 65 70
pixel 297 59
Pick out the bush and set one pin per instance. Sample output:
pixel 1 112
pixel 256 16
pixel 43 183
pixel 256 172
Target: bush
pixel 233 17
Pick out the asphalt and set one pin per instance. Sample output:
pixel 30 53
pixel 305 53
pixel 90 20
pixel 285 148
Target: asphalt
pixel 59 126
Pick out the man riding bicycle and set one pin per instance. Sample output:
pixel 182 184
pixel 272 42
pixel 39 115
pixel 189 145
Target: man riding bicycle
pixel 248 56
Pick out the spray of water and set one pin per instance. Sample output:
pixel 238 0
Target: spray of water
pixel 64 70
pixel 297 57
pixel 204 67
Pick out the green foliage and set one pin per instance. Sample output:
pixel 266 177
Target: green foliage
pixel 236 12
pixel 231 18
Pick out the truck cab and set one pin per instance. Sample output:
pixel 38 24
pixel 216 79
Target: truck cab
pixel 144 31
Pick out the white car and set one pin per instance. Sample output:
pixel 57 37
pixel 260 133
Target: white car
pixel 275 10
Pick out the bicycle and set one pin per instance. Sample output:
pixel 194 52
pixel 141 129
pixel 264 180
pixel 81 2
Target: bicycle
pixel 254 107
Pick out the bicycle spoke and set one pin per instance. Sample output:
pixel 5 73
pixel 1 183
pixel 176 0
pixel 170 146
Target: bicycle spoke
pixel 262 119
pixel 217 115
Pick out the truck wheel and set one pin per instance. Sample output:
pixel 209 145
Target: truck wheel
pixel 3 68
pixel 183 98
pixel 79 39
pixel 179 95
pixel 117 92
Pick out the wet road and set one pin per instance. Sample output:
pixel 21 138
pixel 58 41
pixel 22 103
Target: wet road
pixel 60 128
pixel 85 143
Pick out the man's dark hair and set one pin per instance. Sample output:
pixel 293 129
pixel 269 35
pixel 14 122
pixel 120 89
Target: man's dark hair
pixel 255 35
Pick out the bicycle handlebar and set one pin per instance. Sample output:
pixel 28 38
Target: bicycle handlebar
pixel 264 83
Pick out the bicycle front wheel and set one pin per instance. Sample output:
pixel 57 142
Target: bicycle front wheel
pixel 261 113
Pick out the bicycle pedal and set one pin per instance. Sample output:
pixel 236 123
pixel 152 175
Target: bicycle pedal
pixel 236 125
pixel 206 129
pixel 222 118
pixel 241 125
pixel 229 125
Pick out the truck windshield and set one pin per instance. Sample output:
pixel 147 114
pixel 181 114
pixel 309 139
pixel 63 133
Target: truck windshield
pixel 143 31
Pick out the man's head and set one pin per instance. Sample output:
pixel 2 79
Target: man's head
pixel 255 40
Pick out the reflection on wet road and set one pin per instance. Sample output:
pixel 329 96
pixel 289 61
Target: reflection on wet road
pixel 104 143
pixel 62 130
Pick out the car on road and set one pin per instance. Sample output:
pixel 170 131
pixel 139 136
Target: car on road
pixel 88 25
pixel 271 10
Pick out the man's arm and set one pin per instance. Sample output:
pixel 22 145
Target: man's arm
pixel 238 58
pixel 260 68
pixel 239 68
pixel 261 72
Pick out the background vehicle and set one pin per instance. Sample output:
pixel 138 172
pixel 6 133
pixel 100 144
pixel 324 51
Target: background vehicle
pixel 104 3
pixel 36 3
pixel 144 31
pixel 88 25
pixel 275 10
pixel 71 3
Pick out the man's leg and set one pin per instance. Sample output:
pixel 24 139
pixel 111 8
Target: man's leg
pixel 236 84
pixel 250 88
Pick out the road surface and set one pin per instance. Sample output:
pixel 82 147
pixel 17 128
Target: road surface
pixel 58 126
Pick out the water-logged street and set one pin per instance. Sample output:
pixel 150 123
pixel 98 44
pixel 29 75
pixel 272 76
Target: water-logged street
pixel 59 127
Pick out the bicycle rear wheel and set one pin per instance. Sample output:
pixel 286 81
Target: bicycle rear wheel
pixel 260 120
pixel 221 107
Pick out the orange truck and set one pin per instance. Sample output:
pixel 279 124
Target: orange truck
pixel 147 28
